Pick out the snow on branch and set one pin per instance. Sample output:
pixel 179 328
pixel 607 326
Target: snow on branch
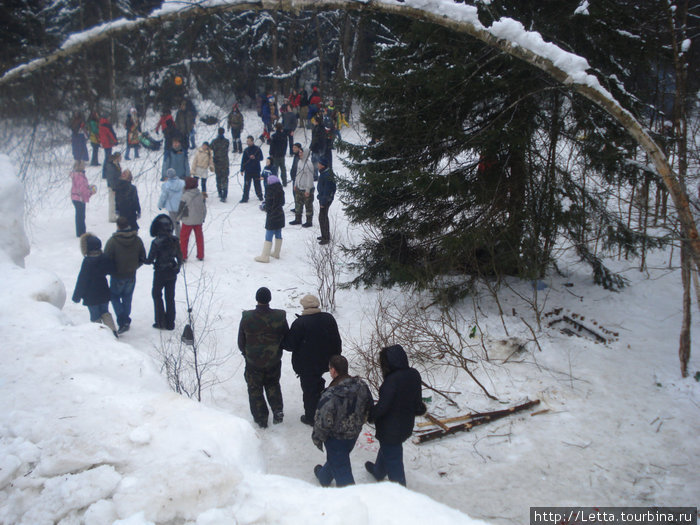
pixel 295 71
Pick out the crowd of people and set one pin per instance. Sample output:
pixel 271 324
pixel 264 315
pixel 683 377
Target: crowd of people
pixel 336 413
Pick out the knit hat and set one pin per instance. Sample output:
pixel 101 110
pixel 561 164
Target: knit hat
pixel 310 301
pixel 324 161
pixel 272 179
pixel 170 173
pixel 263 295
pixel 190 183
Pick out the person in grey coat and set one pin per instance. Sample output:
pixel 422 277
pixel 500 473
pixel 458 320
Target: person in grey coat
pixel 342 411
pixel 192 213
pixel 171 195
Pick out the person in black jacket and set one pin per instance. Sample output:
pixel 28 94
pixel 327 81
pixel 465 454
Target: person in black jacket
pixel 278 147
pixel 91 285
pixel 126 199
pixel 274 219
pixel 166 257
pixel 394 413
pixel 313 339
pixel 250 167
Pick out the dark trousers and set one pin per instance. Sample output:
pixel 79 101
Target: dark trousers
pixel 221 182
pixel 281 168
pixel 108 154
pixel 95 149
pixel 267 381
pixel 204 184
pixel 324 223
pixel 290 139
pixel 337 465
pixel 255 179
pixel 164 315
pixel 121 291
pixel 389 462
pixel 236 140
pixel 311 387
pixel 129 147
pixel 79 218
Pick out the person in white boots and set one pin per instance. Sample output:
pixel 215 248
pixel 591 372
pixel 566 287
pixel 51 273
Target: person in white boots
pixel 274 219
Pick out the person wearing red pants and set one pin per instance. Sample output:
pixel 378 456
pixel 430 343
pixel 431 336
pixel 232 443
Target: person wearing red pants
pixel 192 213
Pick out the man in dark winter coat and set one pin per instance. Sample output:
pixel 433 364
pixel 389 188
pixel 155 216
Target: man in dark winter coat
pixel 250 167
pixel 278 147
pixel 166 257
pixel 341 413
pixel 125 248
pixel 185 121
pixel 394 413
pixel 313 339
pixel 235 124
pixel 319 143
pixel 260 336
pixel 325 193
pixel 219 147
pixel 126 199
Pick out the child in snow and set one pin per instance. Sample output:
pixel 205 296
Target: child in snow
pixel 92 285
pixel 80 194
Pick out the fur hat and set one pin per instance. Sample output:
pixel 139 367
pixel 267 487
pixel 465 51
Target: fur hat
pixel 89 243
pixel 310 301
pixel 263 295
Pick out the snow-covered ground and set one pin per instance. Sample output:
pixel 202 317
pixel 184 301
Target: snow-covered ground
pixel 91 433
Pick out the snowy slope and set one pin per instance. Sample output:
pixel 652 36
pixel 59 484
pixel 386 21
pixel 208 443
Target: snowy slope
pixel 91 433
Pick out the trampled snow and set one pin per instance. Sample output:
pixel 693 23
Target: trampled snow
pixel 91 432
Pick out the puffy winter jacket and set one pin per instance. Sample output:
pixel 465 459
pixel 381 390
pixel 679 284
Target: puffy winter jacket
pixel 399 398
pixel 326 187
pixel 342 410
pixel 108 138
pixel 91 285
pixel 171 194
pixel 192 210
pixel 274 201
pixel 165 256
pixel 127 251
pixel 313 338
pixel 80 189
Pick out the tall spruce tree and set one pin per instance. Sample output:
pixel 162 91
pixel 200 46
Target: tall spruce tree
pixel 464 174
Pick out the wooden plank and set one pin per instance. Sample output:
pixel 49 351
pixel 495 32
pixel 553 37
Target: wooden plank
pixel 437 422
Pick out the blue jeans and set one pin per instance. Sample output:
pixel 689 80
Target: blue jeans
pixel 121 291
pixel 337 463
pixel 97 311
pixel 269 234
pixel 390 462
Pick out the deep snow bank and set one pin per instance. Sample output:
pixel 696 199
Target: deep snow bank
pixel 90 432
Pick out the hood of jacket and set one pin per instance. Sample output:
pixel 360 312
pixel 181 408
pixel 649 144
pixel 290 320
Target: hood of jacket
pixel 126 239
pixel 395 358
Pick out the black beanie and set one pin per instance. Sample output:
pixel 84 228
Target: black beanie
pixel 263 295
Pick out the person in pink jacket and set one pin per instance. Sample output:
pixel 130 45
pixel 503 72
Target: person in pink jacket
pixel 80 194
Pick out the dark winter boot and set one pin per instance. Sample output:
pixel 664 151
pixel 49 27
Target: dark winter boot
pixel 297 220
pixel 308 223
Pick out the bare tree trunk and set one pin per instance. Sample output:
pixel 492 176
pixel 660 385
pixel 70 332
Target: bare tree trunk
pixel 684 343
pixel 319 47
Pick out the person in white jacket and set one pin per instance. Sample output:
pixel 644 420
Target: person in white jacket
pixel 202 164
pixel 171 195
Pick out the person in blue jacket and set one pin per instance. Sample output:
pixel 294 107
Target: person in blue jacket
pixel 394 413
pixel 171 195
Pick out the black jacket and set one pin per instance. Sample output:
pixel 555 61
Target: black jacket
pixel 274 201
pixel 165 256
pixel 399 398
pixel 126 201
pixel 92 285
pixel 313 339
pixel 278 144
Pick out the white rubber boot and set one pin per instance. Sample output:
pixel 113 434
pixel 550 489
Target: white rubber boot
pixel 265 257
pixel 276 252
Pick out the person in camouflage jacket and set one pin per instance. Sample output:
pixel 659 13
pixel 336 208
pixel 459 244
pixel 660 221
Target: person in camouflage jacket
pixel 342 411
pixel 260 336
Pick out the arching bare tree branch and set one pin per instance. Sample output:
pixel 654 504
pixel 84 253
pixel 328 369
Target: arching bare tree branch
pixel 505 34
